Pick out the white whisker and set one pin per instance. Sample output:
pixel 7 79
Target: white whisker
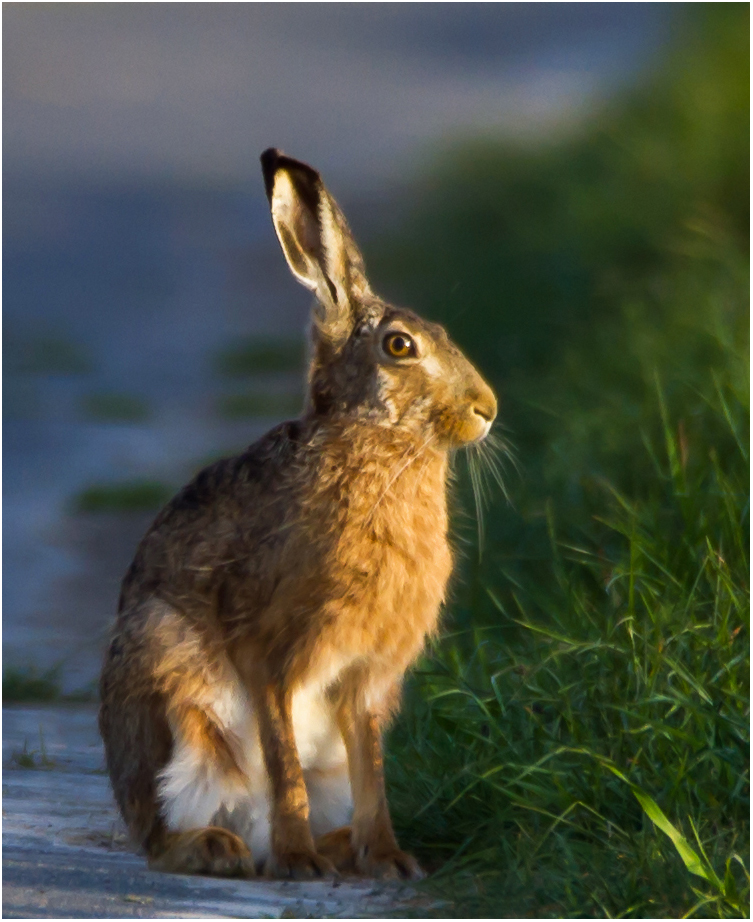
pixel 478 499
pixel 487 461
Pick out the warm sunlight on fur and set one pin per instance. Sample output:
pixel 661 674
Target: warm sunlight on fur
pixel 272 609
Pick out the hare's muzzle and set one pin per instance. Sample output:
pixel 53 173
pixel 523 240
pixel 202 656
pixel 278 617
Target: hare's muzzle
pixel 483 411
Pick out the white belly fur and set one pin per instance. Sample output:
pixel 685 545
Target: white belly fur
pixel 194 793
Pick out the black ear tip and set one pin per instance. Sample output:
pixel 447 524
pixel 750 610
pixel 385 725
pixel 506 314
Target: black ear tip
pixel 305 179
pixel 269 162
pixel 270 156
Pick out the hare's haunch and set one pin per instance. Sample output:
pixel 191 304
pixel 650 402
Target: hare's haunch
pixel 273 607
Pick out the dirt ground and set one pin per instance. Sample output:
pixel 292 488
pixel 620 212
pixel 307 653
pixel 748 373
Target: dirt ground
pixel 66 855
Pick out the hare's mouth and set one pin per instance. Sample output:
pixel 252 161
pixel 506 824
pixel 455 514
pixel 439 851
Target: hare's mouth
pixel 487 425
pixel 474 427
pixel 481 418
pixel 486 418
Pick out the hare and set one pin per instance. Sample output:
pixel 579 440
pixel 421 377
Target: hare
pixel 272 609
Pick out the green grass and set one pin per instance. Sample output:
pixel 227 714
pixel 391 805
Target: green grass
pixel 509 760
pixel 249 405
pixel 115 408
pixel 33 758
pixel 577 745
pixel 29 685
pixel 261 356
pixel 128 496
pixel 46 355
pixel 26 685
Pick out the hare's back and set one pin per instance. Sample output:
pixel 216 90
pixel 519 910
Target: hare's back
pixel 223 487
pixel 226 514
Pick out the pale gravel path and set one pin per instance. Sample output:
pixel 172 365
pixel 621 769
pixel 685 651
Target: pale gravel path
pixel 65 854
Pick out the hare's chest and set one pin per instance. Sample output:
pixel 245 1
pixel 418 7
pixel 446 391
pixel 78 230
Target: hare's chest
pixel 412 577
pixel 402 570
pixel 389 560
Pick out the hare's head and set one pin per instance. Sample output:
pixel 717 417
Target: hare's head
pixel 370 359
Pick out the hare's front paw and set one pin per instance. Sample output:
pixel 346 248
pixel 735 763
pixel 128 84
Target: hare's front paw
pixel 300 864
pixel 387 862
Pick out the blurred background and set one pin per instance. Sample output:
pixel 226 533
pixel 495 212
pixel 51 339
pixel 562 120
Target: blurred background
pixel 139 258
pixel 566 187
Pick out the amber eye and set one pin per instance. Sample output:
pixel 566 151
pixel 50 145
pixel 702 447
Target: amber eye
pixel 399 345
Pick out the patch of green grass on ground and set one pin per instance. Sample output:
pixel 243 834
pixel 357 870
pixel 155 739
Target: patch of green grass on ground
pixel 29 685
pixel 127 496
pixel 115 408
pixel 33 758
pixel 261 356
pixel 46 355
pixel 26 685
pixel 577 744
pixel 250 405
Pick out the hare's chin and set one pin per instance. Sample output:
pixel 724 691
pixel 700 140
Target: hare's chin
pixel 471 431
pixel 487 425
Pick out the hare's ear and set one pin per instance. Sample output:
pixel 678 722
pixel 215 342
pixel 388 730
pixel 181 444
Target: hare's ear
pixel 316 241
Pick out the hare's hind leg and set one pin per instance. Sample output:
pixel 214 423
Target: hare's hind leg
pixel 337 847
pixel 206 801
pixel 210 850
pixel 331 808
pixel 180 741
pixel 212 791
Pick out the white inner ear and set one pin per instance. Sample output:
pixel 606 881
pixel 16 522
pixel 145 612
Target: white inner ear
pixel 297 232
pixel 315 251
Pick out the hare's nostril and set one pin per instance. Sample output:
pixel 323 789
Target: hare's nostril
pixel 488 415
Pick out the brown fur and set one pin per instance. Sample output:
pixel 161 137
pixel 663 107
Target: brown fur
pixel 317 559
pixel 210 850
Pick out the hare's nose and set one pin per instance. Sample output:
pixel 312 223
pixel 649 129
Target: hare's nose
pixel 484 403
